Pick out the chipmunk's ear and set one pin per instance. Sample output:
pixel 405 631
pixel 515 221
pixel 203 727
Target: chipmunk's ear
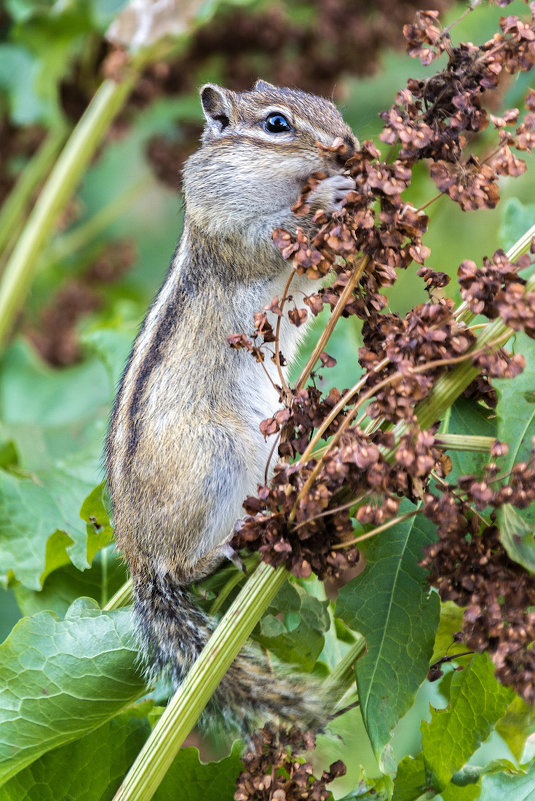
pixel 217 106
pixel 261 86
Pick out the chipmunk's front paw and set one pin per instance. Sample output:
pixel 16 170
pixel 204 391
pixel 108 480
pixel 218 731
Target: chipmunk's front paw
pixel 331 192
pixel 233 556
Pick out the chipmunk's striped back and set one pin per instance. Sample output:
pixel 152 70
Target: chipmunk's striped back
pixel 184 447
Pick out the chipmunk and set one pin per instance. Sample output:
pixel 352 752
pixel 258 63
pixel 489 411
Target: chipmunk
pixel 184 447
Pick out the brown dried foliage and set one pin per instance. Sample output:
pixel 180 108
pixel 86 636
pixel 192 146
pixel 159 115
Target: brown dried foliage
pixel 306 517
pixel 470 566
pixel 274 771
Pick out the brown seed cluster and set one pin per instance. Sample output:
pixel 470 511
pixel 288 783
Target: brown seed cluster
pixel 342 473
pixel 496 290
pixel 470 566
pixel 274 770
pixel 432 118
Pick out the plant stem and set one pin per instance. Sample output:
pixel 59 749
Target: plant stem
pixel 333 319
pixel 464 442
pixel 122 597
pixel 87 232
pixel 17 202
pixel 385 526
pixel 450 385
pixel 344 674
pixel 188 702
pixel 60 185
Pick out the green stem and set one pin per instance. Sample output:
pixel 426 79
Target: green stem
pixel 87 232
pixel 344 673
pixel 17 202
pixel 249 565
pixel 464 442
pixel 450 385
pixel 122 597
pixel 188 702
pixel 60 185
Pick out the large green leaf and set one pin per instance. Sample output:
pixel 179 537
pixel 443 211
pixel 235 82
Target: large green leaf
pixel 391 605
pixel 410 782
pixel 56 420
pixel 517 725
pixel 516 426
pixel 514 784
pixel 477 702
pixel 192 780
pixel 59 679
pixel 98 762
pixel 516 405
pixel 88 769
pixel 518 537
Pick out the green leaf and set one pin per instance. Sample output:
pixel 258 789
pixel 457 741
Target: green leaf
pixel 370 789
pixel 301 646
pixel 477 702
pixel 518 537
pixel 516 426
pixel 451 622
pixel 59 679
pixel 199 781
pixel 410 782
pixel 516 784
pixel 391 605
pixel 516 414
pixel 53 37
pixel 470 419
pixel 112 346
pixel 298 639
pixel 517 725
pixel 94 512
pixel 88 769
pixel 61 588
pixel 469 792
pixel 56 420
pixel 19 71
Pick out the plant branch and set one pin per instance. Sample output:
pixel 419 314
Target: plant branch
pixel 19 198
pixel 384 527
pixel 122 597
pixel 190 699
pixel 333 319
pixel 59 187
pixel 464 442
pixel 284 385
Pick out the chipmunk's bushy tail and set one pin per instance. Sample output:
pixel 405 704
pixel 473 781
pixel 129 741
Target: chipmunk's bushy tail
pixel 173 631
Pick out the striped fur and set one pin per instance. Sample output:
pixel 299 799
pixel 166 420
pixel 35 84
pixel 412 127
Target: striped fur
pixel 184 447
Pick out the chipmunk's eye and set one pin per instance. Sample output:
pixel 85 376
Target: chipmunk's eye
pixel 276 123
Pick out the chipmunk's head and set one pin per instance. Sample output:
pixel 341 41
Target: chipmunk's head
pixel 260 146
pixel 276 120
